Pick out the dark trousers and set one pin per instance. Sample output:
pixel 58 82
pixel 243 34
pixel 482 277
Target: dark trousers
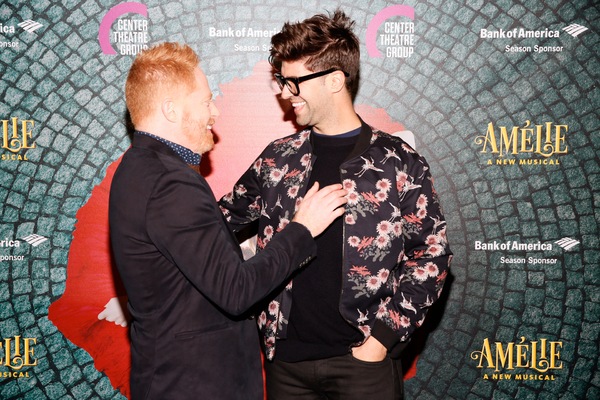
pixel 336 378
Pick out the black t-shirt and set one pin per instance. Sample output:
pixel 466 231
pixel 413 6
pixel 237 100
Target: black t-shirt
pixel 316 328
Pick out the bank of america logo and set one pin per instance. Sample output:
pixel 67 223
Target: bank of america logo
pixel 575 29
pixel 35 240
pixel 30 25
pixel 567 243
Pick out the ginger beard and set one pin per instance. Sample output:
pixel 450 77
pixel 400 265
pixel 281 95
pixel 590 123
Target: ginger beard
pixel 199 115
pixel 201 131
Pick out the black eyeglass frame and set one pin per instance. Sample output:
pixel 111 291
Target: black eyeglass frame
pixel 282 81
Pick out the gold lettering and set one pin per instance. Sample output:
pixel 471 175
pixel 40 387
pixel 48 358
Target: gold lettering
pixel 545 140
pixel 17 141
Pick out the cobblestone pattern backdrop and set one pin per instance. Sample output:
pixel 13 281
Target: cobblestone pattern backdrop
pixel 447 93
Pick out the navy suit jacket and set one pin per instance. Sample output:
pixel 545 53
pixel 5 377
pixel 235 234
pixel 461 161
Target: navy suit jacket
pixel 188 287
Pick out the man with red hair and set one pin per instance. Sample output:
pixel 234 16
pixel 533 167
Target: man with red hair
pixel 189 290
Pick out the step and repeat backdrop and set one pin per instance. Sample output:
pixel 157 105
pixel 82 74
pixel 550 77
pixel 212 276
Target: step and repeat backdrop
pixel 501 97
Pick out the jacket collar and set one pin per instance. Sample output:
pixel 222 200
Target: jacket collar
pixel 149 143
pixel 363 142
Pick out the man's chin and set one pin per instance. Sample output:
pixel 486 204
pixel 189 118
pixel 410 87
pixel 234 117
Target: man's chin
pixel 206 148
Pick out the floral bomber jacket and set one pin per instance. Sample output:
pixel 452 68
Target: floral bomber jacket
pixel 396 254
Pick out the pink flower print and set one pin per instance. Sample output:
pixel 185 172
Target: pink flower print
pixel 240 190
pixel 422 202
pixel 404 322
pixel 353 198
pixel 420 274
pixel 383 275
pixel 432 269
pixel 283 222
pixel 373 283
pixel 268 231
pixel 401 181
pixel 381 196
pixel 257 164
pixel 276 175
pixel 421 213
pixel 397 229
pixel 274 308
pixel 349 185
pixel 349 219
pixel 262 319
pixel 432 240
pixel 293 191
pixel 305 160
pixel 382 241
pixel 384 228
pixel 383 185
pixel 435 250
pixel 228 198
pixel 353 241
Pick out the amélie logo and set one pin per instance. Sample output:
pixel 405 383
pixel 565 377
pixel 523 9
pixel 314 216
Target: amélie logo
pixel 104 33
pixel 399 39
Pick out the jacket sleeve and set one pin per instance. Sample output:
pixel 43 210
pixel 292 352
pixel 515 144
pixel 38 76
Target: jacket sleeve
pixel 425 259
pixel 187 227
pixel 243 205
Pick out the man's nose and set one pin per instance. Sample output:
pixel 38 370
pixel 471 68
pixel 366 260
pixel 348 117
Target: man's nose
pixel 214 111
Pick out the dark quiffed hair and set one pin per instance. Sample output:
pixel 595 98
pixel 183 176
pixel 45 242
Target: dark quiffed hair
pixel 321 42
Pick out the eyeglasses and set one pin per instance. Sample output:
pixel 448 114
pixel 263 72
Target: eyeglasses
pixel 293 84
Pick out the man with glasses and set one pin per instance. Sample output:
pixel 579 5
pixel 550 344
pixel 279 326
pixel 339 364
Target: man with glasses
pixel 337 329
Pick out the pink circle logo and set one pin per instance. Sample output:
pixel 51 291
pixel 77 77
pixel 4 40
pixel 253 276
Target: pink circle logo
pixel 110 17
pixel 380 18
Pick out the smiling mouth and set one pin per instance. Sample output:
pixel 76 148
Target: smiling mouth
pixel 298 105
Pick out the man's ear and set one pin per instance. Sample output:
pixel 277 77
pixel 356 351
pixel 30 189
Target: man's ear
pixel 338 81
pixel 169 109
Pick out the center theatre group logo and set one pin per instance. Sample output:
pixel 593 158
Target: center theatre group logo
pixel 17 353
pixel 398 37
pixel 522 360
pixel 542 140
pixel 16 137
pixel 131 35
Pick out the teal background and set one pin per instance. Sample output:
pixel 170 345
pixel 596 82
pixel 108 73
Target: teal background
pixel 446 94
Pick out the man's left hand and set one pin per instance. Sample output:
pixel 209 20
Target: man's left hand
pixel 371 351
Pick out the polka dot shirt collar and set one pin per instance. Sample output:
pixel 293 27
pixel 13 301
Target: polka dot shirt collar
pixel 188 156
